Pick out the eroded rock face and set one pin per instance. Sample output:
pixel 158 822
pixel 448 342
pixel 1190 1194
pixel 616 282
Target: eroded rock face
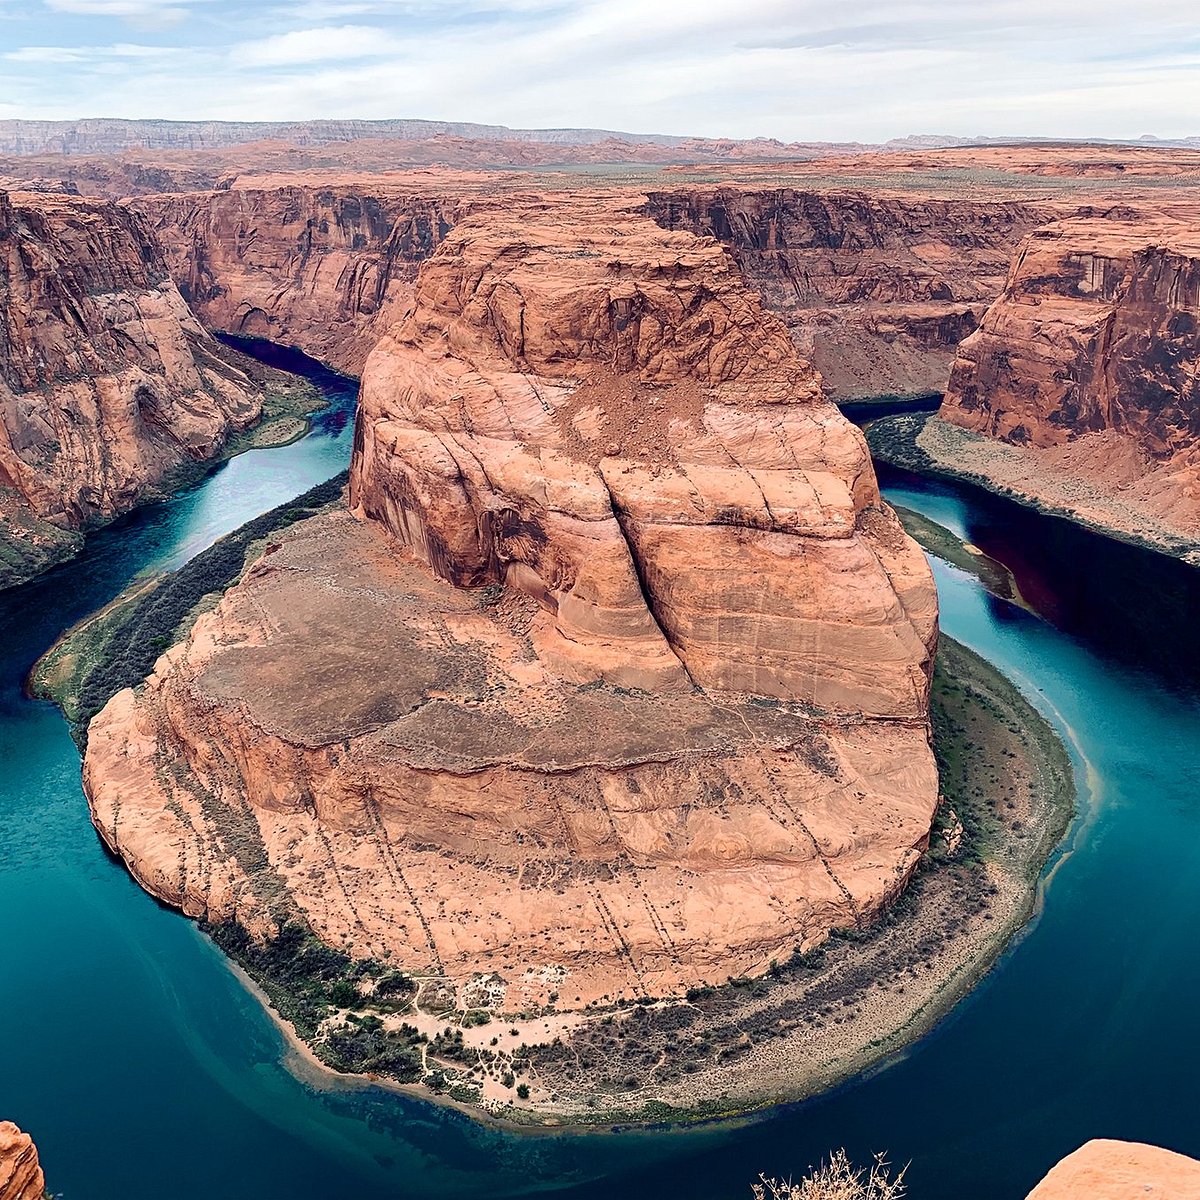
pixel 107 381
pixel 1110 1170
pixel 21 1175
pixel 325 266
pixel 1096 342
pixel 619 682
pixel 877 290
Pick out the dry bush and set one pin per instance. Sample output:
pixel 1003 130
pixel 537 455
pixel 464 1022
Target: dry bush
pixel 836 1179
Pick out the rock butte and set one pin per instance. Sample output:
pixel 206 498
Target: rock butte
pixel 107 380
pixel 21 1175
pixel 615 681
pixel 1090 359
pixel 1108 1170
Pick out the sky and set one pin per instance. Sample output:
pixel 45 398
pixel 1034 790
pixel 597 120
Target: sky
pixel 796 70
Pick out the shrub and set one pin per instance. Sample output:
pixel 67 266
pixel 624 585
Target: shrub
pixel 836 1179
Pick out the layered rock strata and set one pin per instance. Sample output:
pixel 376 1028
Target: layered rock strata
pixel 327 265
pixel 618 683
pixel 21 1175
pixel 878 290
pixel 1090 360
pixel 107 381
pixel 1110 1170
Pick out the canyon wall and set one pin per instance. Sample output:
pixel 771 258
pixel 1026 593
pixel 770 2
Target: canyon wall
pixel 21 1175
pixel 1091 359
pixel 877 290
pixel 107 381
pixel 614 681
pixel 326 266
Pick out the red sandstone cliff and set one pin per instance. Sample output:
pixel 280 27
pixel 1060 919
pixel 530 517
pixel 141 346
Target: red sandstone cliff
pixel 1091 359
pixel 323 265
pixel 878 290
pixel 20 1173
pixel 619 684
pixel 107 381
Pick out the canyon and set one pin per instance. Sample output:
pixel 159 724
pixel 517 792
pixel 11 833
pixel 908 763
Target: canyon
pixel 108 383
pixel 325 264
pixel 611 679
pixel 877 291
pixel 624 666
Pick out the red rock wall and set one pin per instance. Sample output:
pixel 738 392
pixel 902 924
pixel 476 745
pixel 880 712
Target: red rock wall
pixel 107 381
pixel 1098 329
pixel 877 291
pixel 326 268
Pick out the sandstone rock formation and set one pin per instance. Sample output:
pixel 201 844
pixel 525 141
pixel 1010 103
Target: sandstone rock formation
pixel 878 290
pixel 21 1175
pixel 326 265
pixel 1109 1170
pixel 619 682
pixel 107 381
pixel 1091 359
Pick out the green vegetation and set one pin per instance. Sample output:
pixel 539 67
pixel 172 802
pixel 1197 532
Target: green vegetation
pixel 29 545
pixel 310 984
pixel 117 647
pixel 894 440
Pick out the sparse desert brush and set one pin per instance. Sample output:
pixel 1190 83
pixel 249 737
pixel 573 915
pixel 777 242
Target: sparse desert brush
pixel 837 1179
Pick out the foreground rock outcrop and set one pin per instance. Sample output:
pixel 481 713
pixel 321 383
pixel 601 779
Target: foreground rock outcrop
pixel 1110 1170
pixel 618 683
pixel 1090 362
pixel 107 381
pixel 21 1175
pixel 878 290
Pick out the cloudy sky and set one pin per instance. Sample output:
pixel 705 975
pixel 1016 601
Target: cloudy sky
pixel 796 70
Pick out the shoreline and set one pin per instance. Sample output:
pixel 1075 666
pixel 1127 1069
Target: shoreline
pixel 907 943
pixel 896 439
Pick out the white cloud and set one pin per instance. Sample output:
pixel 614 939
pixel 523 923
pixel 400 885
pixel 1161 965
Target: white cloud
pixel 304 46
pixel 142 14
pixel 67 54
pixel 120 8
